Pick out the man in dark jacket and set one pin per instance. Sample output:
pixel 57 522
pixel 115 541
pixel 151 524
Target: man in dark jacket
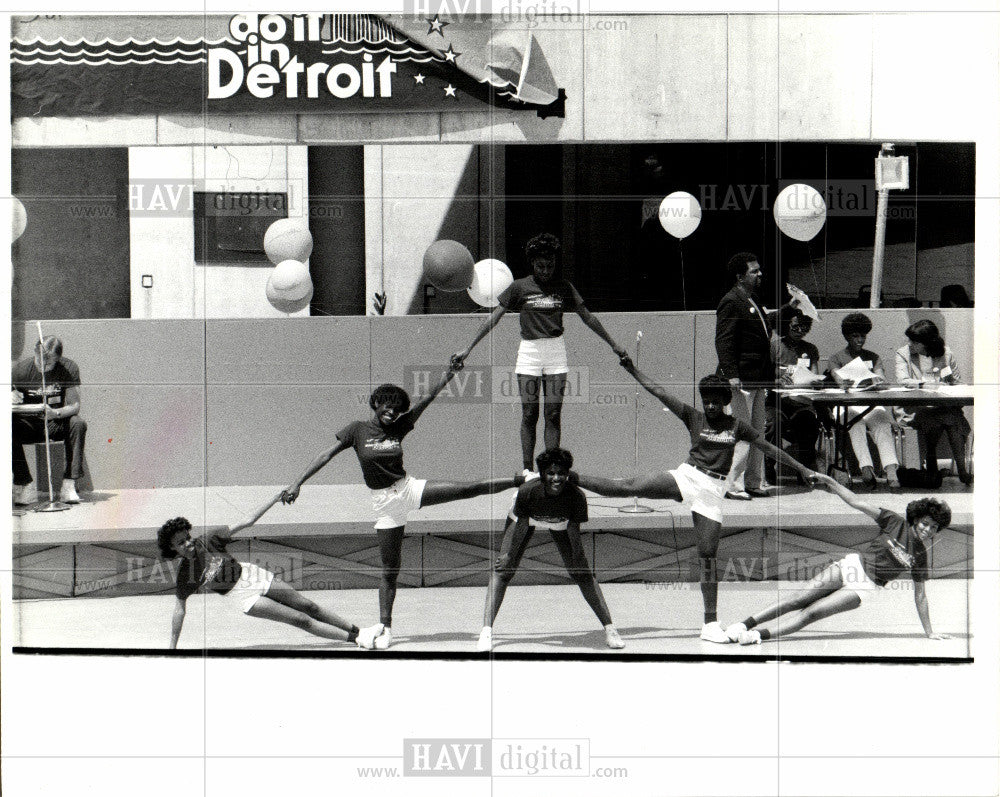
pixel 743 345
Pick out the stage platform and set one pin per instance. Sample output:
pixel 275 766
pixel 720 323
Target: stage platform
pixel 106 545
pixel 535 621
pixel 135 515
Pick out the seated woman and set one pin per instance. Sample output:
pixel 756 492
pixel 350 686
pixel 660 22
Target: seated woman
pixel 791 418
pixel 877 421
pixel 926 360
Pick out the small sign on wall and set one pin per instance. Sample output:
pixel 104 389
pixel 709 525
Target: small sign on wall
pixel 229 227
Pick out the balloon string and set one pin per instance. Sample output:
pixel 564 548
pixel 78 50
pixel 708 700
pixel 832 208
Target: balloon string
pixel 680 247
pixel 812 269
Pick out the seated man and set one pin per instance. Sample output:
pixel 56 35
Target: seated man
pixel 855 328
pixel 58 406
pixel 797 421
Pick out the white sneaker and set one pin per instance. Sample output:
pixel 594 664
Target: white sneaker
pixel 734 630
pixel 529 474
pixel 68 492
pixel 25 494
pixel 751 637
pixel 712 632
pixel 366 636
pixel 383 640
pixel 612 637
pixel 485 643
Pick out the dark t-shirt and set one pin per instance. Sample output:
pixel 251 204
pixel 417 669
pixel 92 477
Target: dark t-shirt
pixel 712 446
pixel 380 451
pixel 541 308
pixel 843 357
pixel 26 378
pixel 879 560
pixel 550 511
pixel 210 567
pixel 786 351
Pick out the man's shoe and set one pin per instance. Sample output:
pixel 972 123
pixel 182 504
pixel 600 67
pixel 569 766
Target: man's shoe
pixel 25 494
pixel 68 492
pixel 366 636
pixel 383 640
pixel 712 632
pixel 734 630
pixel 764 491
pixel 739 495
pixel 612 637
pixel 485 643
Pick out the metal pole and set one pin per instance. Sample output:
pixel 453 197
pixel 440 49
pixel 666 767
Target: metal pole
pixel 51 505
pixel 877 258
pixel 636 508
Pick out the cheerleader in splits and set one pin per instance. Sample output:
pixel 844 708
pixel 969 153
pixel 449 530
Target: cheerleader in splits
pixel 702 479
pixel 378 443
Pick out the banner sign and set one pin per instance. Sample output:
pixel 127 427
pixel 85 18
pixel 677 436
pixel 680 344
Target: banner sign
pixel 268 63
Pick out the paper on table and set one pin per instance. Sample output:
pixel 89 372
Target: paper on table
pixel 953 390
pixel 803 376
pixel 858 374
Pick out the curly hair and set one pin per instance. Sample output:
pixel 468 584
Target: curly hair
pixel 854 323
pixel 926 332
pixel 554 456
pixel 739 264
pixel 543 245
pixel 938 511
pixel 715 385
pixel 165 536
pixel 393 395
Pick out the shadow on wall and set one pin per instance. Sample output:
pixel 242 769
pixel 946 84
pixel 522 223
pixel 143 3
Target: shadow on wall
pixel 16 341
pixel 531 126
pixel 461 223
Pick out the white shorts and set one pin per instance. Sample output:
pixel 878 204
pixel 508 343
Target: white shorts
pixel 254 582
pixel 393 503
pixel 542 357
pixel 705 493
pixel 853 574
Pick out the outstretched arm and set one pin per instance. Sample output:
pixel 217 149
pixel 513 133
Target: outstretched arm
pixel 923 611
pixel 177 622
pixel 595 324
pixel 494 319
pixel 847 496
pixel 777 454
pixel 257 515
pixel 418 409
pixel 290 493
pixel 672 403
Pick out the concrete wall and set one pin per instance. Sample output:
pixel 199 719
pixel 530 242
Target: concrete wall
pixel 162 244
pixel 711 77
pixel 187 403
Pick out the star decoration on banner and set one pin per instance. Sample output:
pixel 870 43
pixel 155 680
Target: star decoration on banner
pixel 436 25
pixel 449 91
pixel 419 78
pixel 450 55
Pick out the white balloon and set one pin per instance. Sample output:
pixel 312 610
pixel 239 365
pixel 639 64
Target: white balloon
pixel 19 219
pixel 289 287
pixel 490 278
pixel 800 211
pixel 680 214
pixel 288 239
